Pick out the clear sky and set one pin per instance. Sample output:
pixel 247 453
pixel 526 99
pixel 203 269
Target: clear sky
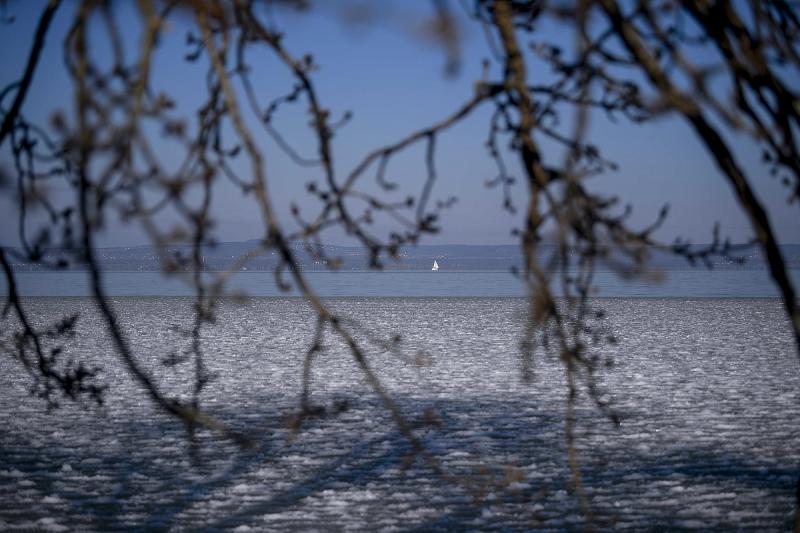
pixel 392 79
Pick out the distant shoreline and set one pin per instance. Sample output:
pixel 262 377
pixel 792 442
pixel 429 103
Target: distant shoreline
pixel 698 268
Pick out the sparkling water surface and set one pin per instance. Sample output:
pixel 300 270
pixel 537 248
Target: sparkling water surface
pixel 708 391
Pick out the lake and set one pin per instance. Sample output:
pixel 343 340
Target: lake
pixel 708 390
pixel 697 283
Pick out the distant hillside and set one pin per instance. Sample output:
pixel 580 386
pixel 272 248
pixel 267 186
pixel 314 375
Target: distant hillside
pixel 450 257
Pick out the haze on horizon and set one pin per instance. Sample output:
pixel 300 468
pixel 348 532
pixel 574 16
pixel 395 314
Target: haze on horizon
pixel 392 79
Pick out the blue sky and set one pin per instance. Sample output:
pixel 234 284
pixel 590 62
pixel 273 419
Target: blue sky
pixel 393 82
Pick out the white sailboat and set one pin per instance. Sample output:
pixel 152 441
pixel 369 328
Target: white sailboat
pixel 435 266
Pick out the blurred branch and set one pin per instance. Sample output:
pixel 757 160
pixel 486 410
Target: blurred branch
pixel 30 67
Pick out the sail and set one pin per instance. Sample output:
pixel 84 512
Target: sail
pixel 435 265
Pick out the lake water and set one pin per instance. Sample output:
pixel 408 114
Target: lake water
pixel 679 284
pixel 708 390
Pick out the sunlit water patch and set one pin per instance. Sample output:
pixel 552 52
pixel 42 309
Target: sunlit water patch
pixel 707 391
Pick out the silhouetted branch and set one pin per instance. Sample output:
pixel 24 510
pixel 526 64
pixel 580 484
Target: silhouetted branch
pixel 30 67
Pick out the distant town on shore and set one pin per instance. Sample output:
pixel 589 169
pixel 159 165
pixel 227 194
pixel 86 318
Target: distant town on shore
pixel 223 256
